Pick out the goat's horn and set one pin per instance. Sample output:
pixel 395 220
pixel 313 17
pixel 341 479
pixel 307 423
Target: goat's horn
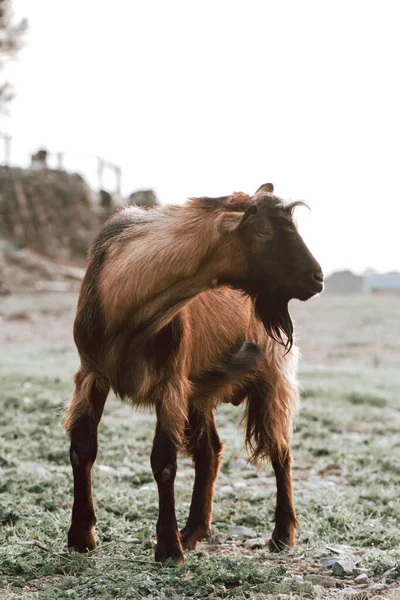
pixel 266 187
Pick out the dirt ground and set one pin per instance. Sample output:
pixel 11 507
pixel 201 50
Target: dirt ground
pixel 346 471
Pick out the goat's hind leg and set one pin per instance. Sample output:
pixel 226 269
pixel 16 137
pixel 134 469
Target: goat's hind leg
pixel 82 419
pixel 205 446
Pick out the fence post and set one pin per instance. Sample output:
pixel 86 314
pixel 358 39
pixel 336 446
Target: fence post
pixel 60 161
pixel 118 176
pixel 7 147
pixel 100 171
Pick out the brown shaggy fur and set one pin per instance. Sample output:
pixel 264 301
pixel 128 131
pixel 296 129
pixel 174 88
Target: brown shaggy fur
pixel 163 321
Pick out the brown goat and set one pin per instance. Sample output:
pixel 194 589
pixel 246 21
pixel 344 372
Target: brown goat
pixel 183 307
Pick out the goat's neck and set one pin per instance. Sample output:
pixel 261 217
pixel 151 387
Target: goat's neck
pixel 213 256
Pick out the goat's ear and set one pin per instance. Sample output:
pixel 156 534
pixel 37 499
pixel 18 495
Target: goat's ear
pixel 266 187
pixel 250 212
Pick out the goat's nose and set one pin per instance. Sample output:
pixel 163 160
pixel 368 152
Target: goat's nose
pixel 317 276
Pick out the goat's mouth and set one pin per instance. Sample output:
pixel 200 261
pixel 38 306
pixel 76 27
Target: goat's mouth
pixel 307 286
pixel 283 293
pixel 305 292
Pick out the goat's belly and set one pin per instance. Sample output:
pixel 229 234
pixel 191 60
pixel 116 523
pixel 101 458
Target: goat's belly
pixel 139 386
pixel 144 385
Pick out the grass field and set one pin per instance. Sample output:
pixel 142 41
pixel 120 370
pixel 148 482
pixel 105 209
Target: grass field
pixel 346 471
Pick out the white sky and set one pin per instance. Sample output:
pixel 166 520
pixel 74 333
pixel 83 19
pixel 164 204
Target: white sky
pixel 207 97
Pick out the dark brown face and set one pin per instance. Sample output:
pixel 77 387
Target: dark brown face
pixel 278 257
pixel 281 267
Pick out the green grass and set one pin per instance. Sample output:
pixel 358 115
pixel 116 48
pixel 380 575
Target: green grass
pixel 346 471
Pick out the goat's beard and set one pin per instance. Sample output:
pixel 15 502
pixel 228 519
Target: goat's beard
pixel 272 309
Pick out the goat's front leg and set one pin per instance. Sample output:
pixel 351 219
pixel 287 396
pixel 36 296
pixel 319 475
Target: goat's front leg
pixel 271 401
pixel 285 516
pixel 164 465
pixel 206 448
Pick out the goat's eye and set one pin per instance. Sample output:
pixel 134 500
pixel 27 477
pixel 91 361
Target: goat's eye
pixel 264 235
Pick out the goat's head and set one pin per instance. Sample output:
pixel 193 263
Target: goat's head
pixel 279 264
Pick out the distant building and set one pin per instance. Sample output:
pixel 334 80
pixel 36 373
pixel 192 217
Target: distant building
pixel 385 282
pixel 344 282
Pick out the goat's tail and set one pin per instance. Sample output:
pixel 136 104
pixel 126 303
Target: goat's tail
pixel 272 404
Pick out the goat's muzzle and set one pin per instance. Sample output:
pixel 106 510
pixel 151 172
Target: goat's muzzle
pixel 311 284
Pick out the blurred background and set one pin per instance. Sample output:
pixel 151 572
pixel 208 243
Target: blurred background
pixel 189 99
pixel 103 104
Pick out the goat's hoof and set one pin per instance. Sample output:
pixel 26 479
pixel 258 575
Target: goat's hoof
pixel 190 537
pixel 281 542
pixel 189 543
pixel 170 554
pixel 81 541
